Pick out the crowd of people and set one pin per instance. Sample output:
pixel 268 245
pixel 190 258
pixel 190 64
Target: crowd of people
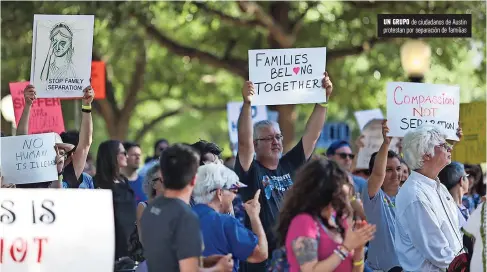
pixel 187 209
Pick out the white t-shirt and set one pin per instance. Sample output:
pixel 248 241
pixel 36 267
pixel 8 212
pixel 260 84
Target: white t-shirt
pixel 473 228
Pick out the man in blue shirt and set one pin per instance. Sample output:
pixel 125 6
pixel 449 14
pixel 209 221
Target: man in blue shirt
pixel 216 187
pixel 136 180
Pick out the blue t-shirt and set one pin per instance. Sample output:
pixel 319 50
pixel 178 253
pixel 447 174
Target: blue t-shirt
pixel 86 183
pixel 223 234
pixel 381 211
pixel 136 186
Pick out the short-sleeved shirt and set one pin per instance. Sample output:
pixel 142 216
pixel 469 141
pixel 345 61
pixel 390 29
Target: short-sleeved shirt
pixel 136 186
pixel 473 228
pixel 273 185
pixel 380 211
pixel 304 225
pixel 170 233
pixel 84 181
pixel 224 234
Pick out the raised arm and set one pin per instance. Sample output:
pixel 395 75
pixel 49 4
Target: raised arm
pixel 260 252
pixel 316 121
pixel 85 133
pixel 29 97
pixel 245 128
pixel 378 174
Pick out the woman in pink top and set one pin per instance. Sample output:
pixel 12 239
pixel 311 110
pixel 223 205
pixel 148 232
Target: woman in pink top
pixel 314 222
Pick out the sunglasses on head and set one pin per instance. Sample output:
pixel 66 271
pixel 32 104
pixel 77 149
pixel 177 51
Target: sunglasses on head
pixel 345 155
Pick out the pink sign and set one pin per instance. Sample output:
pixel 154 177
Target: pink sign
pixel 46 114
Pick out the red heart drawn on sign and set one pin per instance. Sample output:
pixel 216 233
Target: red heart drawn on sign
pixel 296 70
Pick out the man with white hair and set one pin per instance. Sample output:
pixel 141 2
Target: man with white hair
pixel 215 189
pixel 427 233
pixel 269 170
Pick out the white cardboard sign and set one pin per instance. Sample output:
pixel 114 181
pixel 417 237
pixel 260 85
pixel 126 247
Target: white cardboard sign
pixel 61 54
pixel 373 139
pixel 411 104
pixel 287 76
pixel 56 230
pixel 365 116
pixel 259 113
pixel 29 158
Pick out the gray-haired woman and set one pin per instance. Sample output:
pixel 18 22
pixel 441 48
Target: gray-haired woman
pixel 152 187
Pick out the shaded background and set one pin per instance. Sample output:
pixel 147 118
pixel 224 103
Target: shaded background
pixel 173 66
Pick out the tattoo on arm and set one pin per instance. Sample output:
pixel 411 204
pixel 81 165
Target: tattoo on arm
pixel 305 249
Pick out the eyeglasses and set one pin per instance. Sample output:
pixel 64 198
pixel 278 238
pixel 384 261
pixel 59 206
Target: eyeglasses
pixel 345 155
pixel 278 137
pixel 446 146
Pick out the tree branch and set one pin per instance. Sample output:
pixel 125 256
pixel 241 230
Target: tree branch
pixel 298 23
pixel 136 84
pixel 209 108
pixel 236 66
pixel 286 40
pixel 227 18
pixel 355 50
pixel 107 107
pixel 110 97
pixel 147 127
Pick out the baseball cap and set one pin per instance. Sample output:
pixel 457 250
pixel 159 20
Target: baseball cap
pixel 336 145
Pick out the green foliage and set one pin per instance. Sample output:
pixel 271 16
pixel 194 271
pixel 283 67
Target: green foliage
pixel 172 81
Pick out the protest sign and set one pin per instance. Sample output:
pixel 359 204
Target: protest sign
pixel 45 115
pixel 333 131
pixel 29 158
pixel 259 113
pixel 372 141
pixel 56 230
pixel 98 79
pixel 411 104
pixel 61 54
pixel 365 116
pixel 471 149
pixel 287 76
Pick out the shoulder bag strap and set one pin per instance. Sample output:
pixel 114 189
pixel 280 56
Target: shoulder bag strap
pixel 449 220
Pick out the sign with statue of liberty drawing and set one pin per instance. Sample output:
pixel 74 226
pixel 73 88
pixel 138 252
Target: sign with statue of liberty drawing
pixel 61 54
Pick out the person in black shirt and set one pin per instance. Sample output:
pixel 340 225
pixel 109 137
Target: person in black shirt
pixel 269 171
pixel 170 230
pixel 111 157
